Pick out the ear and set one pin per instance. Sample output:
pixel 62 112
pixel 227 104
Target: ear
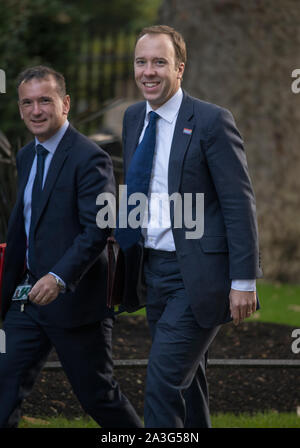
pixel 66 104
pixel 180 70
pixel 20 110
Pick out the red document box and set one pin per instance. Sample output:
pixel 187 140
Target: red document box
pixel 2 252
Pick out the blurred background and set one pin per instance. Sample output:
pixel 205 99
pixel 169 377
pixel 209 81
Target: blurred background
pixel 240 55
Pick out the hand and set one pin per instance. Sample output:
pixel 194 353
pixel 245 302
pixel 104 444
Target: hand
pixel 44 291
pixel 242 304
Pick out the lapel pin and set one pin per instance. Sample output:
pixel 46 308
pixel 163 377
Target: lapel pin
pixel 187 131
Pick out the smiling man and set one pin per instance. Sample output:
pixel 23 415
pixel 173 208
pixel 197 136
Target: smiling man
pixel 54 281
pixel 44 106
pixel 176 144
pixel 158 72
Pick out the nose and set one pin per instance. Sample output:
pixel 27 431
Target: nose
pixel 36 109
pixel 149 69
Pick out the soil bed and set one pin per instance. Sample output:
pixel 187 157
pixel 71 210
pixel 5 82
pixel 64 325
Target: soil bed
pixel 232 389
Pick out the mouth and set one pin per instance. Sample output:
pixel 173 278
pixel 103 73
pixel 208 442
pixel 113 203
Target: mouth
pixel 38 122
pixel 151 85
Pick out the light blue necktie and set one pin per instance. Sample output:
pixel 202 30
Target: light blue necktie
pixel 138 180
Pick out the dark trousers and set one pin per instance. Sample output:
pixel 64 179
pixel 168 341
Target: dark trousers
pixel 176 387
pixel 85 355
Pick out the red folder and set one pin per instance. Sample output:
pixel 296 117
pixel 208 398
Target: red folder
pixel 2 252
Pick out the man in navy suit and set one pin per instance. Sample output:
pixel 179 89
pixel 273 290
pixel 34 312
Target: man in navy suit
pixel 195 282
pixel 54 245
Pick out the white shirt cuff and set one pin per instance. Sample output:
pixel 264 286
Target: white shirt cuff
pixel 244 285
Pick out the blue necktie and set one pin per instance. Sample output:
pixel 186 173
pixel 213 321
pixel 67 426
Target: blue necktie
pixel 138 180
pixel 35 201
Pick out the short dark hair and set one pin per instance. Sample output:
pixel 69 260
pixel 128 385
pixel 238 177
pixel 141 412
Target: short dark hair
pixel 42 72
pixel 176 37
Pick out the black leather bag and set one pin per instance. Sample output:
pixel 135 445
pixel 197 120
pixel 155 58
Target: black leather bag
pixel 126 287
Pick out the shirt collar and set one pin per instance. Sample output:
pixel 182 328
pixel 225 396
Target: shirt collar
pixel 169 110
pixel 52 143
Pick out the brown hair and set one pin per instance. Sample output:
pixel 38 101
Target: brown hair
pixel 176 37
pixel 42 72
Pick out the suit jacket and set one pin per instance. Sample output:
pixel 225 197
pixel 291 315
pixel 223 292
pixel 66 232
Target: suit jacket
pixel 209 159
pixel 67 239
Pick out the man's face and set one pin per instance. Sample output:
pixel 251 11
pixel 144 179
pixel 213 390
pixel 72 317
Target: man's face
pixel 43 110
pixel 157 74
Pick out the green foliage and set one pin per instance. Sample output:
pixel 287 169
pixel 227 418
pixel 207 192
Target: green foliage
pixel 48 32
pixel 280 304
pixel 111 16
pixel 32 32
pixel 260 420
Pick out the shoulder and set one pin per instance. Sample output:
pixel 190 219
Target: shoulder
pixel 81 146
pixel 210 118
pixel 205 111
pixel 135 109
pixel 25 150
pixel 80 140
pixel 24 155
pixel 90 162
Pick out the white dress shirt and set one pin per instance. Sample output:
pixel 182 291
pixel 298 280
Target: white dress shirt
pixel 158 234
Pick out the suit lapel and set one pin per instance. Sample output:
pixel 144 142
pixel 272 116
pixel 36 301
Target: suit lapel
pixel 135 129
pixel 180 143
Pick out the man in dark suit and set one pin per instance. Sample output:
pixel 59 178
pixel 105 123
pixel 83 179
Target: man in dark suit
pixel 195 281
pixel 54 245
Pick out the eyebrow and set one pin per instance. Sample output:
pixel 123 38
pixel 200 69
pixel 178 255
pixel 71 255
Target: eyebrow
pixel 155 58
pixel 41 98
